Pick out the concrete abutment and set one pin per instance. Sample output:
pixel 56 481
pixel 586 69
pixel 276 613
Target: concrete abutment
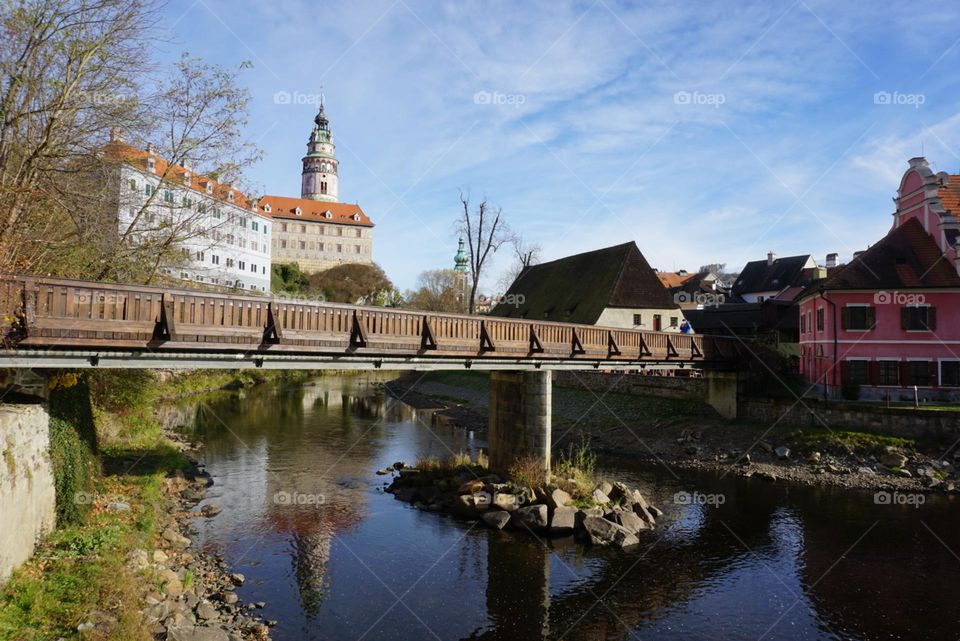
pixel 519 418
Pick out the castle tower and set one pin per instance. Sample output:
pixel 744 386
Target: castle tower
pixel 320 166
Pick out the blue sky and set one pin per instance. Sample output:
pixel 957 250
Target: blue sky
pixel 706 132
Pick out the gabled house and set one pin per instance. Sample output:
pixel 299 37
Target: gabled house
pixel 763 279
pixel 610 287
pixel 887 321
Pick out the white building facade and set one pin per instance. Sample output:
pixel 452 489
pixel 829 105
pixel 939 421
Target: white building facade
pixel 224 237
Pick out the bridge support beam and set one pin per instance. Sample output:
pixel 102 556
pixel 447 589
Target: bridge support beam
pixel 519 418
pixel 722 392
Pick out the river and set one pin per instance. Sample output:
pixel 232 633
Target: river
pixel 306 520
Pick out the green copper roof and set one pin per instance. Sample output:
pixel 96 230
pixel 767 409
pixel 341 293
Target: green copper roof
pixel 460 260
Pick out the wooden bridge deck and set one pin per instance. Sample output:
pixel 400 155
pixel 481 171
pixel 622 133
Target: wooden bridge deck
pixel 63 316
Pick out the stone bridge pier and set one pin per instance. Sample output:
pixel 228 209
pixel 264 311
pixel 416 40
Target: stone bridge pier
pixel 519 418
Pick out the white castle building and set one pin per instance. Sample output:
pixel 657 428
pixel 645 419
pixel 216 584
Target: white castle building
pixel 224 236
pixel 317 231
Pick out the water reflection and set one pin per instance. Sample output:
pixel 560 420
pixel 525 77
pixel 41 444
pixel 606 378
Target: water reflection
pixel 773 561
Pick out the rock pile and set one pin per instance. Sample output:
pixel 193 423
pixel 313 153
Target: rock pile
pixel 613 515
pixel 192 595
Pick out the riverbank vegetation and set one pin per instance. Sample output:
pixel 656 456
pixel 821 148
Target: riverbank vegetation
pixel 112 461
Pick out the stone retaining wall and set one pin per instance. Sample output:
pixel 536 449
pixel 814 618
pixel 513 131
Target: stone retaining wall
pixel 887 420
pixel 664 386
pixel 27 502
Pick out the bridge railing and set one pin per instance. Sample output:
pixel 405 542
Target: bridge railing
pixel 52 312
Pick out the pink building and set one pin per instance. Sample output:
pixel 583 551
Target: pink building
pixel 890 319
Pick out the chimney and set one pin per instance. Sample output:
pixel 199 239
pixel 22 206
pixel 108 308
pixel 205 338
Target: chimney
pixel 771 257
pixel 832 259
pixel 857 254
pixel 150 148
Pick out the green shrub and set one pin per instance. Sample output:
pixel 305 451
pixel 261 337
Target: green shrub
pixel 74 469
pixel 121 390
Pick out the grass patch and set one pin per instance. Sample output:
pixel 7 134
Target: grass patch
pixel 852 438
pixel 82 566
pixel 575 470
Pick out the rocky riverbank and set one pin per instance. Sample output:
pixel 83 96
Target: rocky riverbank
pixel 673 434
pixel 191 595
pixel 612 515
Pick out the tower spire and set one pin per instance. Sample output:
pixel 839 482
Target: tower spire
pixel 319 180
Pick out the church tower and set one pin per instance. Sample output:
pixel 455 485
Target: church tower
pixel 320 167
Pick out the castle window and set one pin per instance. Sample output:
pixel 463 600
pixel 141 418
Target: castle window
pixel 133 185
pixel 357 247
pixel 359 233
pixel 303 229
pixel 148 189
pixel 167 196
pixel 283 226
pixel 242 265
pixel 303 244
pixel 283 244
pixel 323 186
pixel 339 249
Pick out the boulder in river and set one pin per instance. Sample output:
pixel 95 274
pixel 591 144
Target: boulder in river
pixel 557 498
pixel 497 519
pixel 563 521
pixel 629 521
pixel 782 452
pixel 600 496
pixel 533 517
pixel 600 531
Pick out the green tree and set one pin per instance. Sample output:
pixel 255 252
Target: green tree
pixel 355 283
pixel 439 290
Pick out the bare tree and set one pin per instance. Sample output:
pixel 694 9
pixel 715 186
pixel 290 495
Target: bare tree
pixel 485 231
pixel 75 72
pixel 438 290
pixel 524 255
pixel 198 118
pixel 70 69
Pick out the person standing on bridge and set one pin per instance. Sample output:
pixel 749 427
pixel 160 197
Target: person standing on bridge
pixel 685 327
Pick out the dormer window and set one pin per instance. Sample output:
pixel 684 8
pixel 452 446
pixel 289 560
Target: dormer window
pixel 209 187
pixel 328 214
pixel 186 178
pixel 356 217
pixel 267 208
pixel 298 211
pixel 230 196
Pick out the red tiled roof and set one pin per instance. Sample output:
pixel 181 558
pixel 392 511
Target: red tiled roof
pixel 907 257
pixel 950 194
pixel 674 279
pixel 117 150
pixel 314 210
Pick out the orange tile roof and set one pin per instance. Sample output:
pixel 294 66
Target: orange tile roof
pixel 138 157
pixel 950 194
pixel 313 210
pixel 673 279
